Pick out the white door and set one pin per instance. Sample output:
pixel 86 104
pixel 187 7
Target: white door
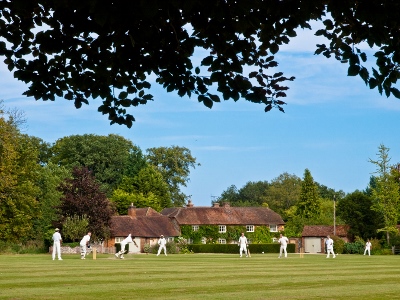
pixel 312 245
pixel 133 248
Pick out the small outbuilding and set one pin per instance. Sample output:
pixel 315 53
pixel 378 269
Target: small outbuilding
pixel 314 236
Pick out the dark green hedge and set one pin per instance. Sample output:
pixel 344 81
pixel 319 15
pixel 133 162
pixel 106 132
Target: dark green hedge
pixel 234 248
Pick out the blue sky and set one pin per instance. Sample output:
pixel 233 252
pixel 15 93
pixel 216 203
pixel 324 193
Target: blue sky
pixel 332 125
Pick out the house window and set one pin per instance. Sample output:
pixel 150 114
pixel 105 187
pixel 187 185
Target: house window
pixel 274 240
pixel 195 227
pixel 250 228
pixel 204 240
pixel 273 228
pixel 222 228
pixel 170 239
pixel 119 239
pixel 221 241
pixel 190 241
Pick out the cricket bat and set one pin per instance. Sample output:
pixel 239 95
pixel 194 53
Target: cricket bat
pixel 248 252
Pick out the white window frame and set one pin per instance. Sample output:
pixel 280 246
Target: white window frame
pixel 249 228
pixel 195 227
pixel 119 239
pixel 204 240
pixel 273 228
pixel 221 241
pixel 189 241
pixel 222 228
pixel 274 240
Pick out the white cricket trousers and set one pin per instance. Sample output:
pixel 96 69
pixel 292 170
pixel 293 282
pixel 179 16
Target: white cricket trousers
pixel 56 249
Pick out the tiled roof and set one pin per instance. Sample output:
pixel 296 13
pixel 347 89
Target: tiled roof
pixel 223 215
pixel 143 226
pixel 147 211
pixel 324 230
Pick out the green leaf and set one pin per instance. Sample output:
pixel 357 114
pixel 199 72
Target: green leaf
pixel 214 98
pixel 274 48
pixel 125 103
pixel 395 92
pixel 372 83
pixel 123 95
pixel 207 61
pixel 353 70
pixel 268 108
pixel 197 70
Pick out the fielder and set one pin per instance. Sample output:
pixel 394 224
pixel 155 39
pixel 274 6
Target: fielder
pixel 57 244
pixel 128 240
pixel 329 247
pixel 243 243
pixel 84 243
pixel 283 240
pixel 161 243
pixel 368 246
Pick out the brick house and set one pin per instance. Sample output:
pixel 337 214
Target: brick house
pixel 314 236
pixel 144 224
pixel 225 216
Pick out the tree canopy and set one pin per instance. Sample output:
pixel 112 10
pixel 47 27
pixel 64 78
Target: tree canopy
pixel 106 156
pixel 82 50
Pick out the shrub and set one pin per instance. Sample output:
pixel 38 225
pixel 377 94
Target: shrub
pixel 32 247
pixel 146 248
pixel 357 247
pixel 338 245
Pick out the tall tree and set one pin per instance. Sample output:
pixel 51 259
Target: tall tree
pixel 231 195
pixel 174 164
pixel 18 192
pixel 82 197
pixel 48 179
pixel 385 194
pixel 283 193
pixel 355 209
pixel 105 156
pixel 136 161
pixel 253 193
pixel 90 49
pixel 146 189
pixel 309 204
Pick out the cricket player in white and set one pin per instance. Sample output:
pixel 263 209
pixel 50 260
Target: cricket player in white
pixel 162 242
pixel 329 247
pixel 84 242
pixel 57 244
pixel 243 244
pixel 127 240
pixel 368 246
pixel 283 240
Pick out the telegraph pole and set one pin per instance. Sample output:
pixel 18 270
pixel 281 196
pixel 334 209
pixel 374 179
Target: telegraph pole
pixel 334 214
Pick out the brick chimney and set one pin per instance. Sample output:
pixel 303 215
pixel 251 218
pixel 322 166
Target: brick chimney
pixel 215 204
pixel 189 204
pixel 132 211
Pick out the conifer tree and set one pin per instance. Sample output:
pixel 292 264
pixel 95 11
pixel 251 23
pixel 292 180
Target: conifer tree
pixel 309 204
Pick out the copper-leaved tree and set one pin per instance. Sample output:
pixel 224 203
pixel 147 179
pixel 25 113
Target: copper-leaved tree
pixel 82 196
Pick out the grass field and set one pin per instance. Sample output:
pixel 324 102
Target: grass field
pixel 200 276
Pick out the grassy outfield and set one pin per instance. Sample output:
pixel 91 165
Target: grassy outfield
pixel 200 276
